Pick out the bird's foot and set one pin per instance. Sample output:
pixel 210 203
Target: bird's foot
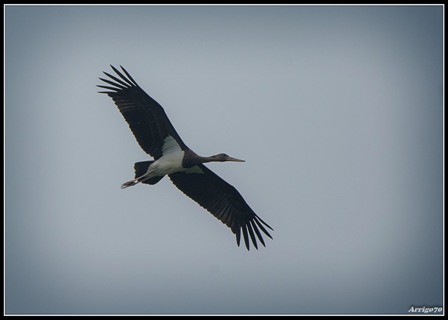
pixel 129 183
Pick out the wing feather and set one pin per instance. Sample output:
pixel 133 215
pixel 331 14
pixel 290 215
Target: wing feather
pixel 257 232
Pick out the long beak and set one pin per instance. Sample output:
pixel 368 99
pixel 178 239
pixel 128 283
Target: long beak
pixel 235 159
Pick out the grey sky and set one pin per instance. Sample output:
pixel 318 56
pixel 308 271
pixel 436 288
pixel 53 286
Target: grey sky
pixel 337 110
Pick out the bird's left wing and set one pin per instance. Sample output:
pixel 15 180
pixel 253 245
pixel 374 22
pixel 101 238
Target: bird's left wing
pixel 223 201
pixel 146 118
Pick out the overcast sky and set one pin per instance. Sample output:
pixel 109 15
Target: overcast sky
pixel 337 110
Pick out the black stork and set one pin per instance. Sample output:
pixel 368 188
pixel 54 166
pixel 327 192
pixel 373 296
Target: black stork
pixel 157 137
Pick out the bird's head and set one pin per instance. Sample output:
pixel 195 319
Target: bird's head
pixel 221 157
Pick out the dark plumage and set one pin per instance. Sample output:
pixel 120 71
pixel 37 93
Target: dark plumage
pixel 157 137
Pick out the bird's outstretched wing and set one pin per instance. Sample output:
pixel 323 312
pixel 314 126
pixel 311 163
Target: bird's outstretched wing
pixel 223 201
pixel 146 118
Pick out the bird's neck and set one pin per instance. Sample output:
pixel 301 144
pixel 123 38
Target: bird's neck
pixel 192 159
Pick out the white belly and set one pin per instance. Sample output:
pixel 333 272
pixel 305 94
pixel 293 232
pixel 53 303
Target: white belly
pixel 171 160
pixel 167 164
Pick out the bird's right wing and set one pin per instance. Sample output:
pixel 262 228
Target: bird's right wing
pixel 223 201
pixel 146 118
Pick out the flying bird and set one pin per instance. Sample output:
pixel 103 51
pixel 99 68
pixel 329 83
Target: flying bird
pixel 157 137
